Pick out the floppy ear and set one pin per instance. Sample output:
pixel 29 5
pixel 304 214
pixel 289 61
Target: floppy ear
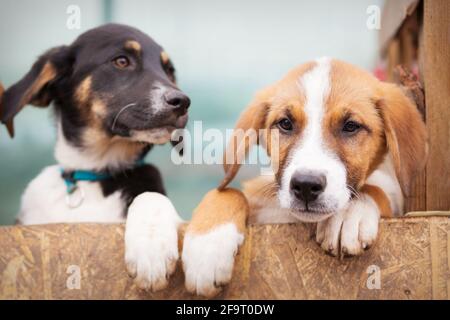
pixel 1 97
pixel 245 135
pixel 34 88
pixel 406 135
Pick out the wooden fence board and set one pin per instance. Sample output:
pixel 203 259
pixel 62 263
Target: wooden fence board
pixel 275 262
pixel 436 64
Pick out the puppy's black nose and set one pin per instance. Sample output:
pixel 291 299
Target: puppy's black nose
pixel 308 186
pixel 178 101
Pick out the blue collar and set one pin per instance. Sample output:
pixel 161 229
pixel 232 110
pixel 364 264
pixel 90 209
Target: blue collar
pixel 72 177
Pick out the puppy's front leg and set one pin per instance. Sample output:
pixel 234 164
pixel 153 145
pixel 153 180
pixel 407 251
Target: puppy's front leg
pixel 354 229
pixel 151 240
pixel 212 240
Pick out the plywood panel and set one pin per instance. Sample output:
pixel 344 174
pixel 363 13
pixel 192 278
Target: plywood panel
pixel 276 262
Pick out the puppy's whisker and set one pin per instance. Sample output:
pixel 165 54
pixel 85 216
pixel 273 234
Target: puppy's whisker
pixel 269 190
pixel 120 112
pixel 354 192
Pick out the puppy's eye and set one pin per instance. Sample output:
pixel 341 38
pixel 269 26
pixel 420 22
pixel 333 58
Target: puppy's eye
pixel 169 69
pixel 121 62
pixel 351 126
pixel 285 124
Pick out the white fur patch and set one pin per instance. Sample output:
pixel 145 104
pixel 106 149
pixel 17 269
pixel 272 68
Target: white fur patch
pixel 311 154
pixel 44 201
pixel 352 230
pixel 155 136
pixel 151 240
pixel 268 215
pixel 208 258
pixel 157 96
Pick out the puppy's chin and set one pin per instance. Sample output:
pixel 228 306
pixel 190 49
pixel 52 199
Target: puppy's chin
pixel 313 213
pixel 310 216
pixel 153 136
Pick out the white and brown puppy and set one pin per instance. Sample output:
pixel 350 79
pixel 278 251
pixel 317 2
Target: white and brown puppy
pixel 114 97
pixel 349 146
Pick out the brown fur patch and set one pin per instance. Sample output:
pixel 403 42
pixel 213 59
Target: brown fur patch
pixel 31 95
pixel 1 95
pixel 217 208
pixel 405 132
pixel 98 108
pixel 133 45
pixel 2 90
pixel 121 149
pixel 241 140
pixel 83 91
pixel 93 109
pixel 380 199
pixel 9 124
pixel 47 74
pixel 164 57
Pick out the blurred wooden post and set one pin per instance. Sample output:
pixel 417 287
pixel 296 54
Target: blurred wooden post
pixel 417 201
pixel 436 71
pixel 424 36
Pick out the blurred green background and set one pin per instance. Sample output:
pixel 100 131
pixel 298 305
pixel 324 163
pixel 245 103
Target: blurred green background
pixel 223 52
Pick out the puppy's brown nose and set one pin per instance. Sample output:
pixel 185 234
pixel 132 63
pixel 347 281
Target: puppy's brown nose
pixel 178 101
pixel 308 186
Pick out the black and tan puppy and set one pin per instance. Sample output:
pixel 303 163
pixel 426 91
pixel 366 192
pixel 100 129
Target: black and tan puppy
pixel 114 96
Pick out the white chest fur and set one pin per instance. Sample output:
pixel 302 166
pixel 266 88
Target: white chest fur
pixel 44 201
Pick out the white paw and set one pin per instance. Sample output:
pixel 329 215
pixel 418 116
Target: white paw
pixel 351 231
pixel 151 240
pixel 208 259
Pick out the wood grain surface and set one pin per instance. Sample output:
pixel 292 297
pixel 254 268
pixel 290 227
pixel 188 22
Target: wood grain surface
pixel 436 71
pixel 275 262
